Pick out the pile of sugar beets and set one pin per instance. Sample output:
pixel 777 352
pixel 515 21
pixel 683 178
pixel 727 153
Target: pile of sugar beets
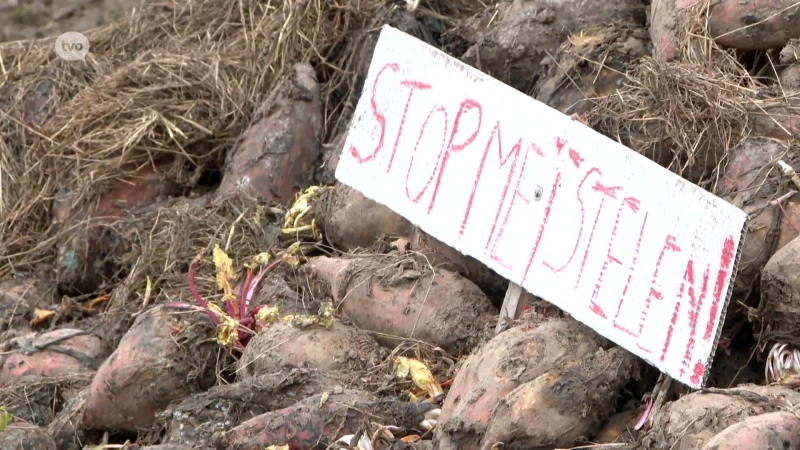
pixel 399 350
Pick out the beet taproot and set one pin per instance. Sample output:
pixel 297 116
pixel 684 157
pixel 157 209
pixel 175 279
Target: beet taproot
pixel 162 358
pixel 318 421
pixel 694 419
pixel 771 430
pixel 512 358
pixel 194 420
pixel 336 348
pixel 751 182
pixel 780 295
pixel 563 405
pixel 350 220
pixel 274 159
pixel 754 24
pixel 516 48
pixel 87 257
pixel 59 352
pixel 20 435
pixel 398 297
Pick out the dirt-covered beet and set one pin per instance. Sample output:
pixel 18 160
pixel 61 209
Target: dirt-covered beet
pixel 751 181
pixel 340 347
pixel 398 297
pixel 194 420
pixel 350 220
pixel 59 352
pixel 163 357
pixel 88 255
pixel 780 295
pixel 576 81
pixel 274 159
pixel 771 430
pixel 514 357
pixel 20 295
pixel 563 405
pixel 517 47
pixel 20 435
pixel 692 420
pixel 753 24
pixel 316 422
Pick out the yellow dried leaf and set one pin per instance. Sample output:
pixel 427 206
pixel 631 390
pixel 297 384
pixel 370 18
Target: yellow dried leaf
pixel 261 259
pixel 300 321
pixel 412 398
pixel 267 315
pixel 277 447
pixel 40 316
pixel 224 267
pixel 323 399
pixel 411 438
pixel 420 375
pixel 227 329
pixel 148 290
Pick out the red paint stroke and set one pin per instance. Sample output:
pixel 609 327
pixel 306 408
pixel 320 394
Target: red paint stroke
pixel 633 204
pixel 630 275
pixel 517 193
pixel 378 116
pixel 725 264
pixel 560 143
pixel 670 245
pixel 580 230
pixel 575 157
pixel 607 191
pixel 441 109
pixel 515 151
pixel 695 306
pixel 466 105
pixel 547 211
pixel 697 373
pixel 414 85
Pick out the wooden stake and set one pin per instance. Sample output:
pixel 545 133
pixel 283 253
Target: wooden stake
pixel 513 304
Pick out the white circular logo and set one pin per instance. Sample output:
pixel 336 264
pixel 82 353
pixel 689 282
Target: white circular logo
pixel 72 46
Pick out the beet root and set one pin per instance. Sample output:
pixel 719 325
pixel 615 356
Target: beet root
pixel 20 435
pixel 194 420
pixel 60 352
pixel 751 183
pixel 780 295
pixel 694 419
pixel 274 159
pixel 564 405
pixel 514 357
pixel 282 345
pixel 771 430
pixel 159 360
pixel 523 34
pixel 351 220
pixel 399 298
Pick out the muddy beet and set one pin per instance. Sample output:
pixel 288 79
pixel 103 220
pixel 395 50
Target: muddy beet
pixel 514 357
pixel 780 295
pixel 88 256
pixel 563 405
pixel 516 48
pixel 159 360
pixel 20 435
pixel 574 83
pixel 59 352
pixel 351 220
pixel 194 420
pixel 318 421
pixel 771 430
pixel 19 297
pixel 692 420
pixel 339 347
pixel 275 157
pixel 398 297
pixel 751 182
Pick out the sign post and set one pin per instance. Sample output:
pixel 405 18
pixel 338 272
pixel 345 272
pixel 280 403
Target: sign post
pixel 623 245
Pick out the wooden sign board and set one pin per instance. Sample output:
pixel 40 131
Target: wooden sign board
pixel 632 250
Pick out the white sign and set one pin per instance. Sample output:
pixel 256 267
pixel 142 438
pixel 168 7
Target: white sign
pixel 72 46
pixel 623 245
